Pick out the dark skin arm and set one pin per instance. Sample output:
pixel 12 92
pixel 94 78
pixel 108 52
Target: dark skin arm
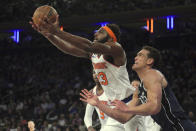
pixel 60 44
pixel 108 49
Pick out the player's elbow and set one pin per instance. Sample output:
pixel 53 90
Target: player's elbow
pixel 156 109
pixel 121 117
pixel 125 119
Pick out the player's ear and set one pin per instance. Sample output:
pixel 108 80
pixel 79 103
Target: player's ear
pixel 150 61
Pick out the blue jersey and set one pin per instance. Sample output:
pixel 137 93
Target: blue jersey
pixel 171 112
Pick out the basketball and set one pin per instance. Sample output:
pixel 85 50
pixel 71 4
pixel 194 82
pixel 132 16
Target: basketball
pixel 42 11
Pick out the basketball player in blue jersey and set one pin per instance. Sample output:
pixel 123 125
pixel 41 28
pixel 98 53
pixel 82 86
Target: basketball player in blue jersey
pixel 154 96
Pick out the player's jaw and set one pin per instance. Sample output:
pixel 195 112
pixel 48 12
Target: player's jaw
pixel 95 78
pixel 137 64
pixel 101 39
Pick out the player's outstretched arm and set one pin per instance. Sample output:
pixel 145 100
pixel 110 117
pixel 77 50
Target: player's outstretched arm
pixel 114 113
pixel 59 43
pixel 80 42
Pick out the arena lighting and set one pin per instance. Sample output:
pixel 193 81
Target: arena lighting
pixel 167 22
pixel 170 22
pixel 16 35
pixel 150 25
pixel 101 24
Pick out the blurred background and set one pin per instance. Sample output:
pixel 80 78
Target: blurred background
pixel 40 83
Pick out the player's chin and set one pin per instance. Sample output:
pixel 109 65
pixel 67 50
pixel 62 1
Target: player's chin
pixel 134 67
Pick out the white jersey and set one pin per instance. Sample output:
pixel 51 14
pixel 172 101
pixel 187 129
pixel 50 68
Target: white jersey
pixel 106 121
pixel 114 80
pixel 151 125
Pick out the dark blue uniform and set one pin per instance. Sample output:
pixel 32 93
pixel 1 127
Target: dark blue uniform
pixel 171 117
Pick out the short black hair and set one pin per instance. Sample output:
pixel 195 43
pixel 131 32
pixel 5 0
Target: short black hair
pixel 116 30
pixel 155 54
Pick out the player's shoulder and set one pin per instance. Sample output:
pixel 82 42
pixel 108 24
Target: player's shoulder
pixel 153 74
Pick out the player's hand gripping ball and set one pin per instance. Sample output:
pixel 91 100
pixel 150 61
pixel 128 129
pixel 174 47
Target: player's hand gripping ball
pixel 43 11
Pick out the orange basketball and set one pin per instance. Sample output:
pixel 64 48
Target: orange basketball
pixel 42 11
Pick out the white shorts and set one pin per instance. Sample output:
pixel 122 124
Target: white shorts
pixel 136 123
pixel 112 128
pixel 151 125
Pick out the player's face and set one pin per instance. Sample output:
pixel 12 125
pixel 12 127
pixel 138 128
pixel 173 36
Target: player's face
pixel 135 83
pixel 140 60
pixel 95 77
pixel 101 36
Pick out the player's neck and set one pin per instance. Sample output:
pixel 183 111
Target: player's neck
pixel 99 90
pixel 141 72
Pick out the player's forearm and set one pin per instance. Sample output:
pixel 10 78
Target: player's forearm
pixel 77 41
pixel 66 47
pixel 88 115
pixel 146 109
pixel 88 121
pixel 115 114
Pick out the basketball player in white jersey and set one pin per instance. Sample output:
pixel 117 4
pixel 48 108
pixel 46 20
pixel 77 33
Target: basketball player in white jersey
pixel 107 123
pixel 107 56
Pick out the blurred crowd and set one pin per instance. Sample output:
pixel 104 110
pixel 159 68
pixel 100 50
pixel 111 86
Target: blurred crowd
pixel 43 84
pixel 16 10
pixel 40 83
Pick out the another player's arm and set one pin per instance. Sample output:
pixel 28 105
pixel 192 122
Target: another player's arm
pixel 120 116
pixel 67 47
pixel 88 46
pixel 88 117
pixel 154 95
pixel 114 113
pixel 59 43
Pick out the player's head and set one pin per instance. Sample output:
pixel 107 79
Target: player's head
pixel 108 33
pixel 95 78
pixel 147 57
pixel 135 83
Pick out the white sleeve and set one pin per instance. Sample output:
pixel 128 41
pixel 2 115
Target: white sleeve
pixel 88 115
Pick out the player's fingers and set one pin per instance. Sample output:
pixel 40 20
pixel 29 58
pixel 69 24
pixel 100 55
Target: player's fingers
pixel 87 91
pixel 113 104
pixel 84 100
pixel 84 96
pixel 84 92
pixel 30 22
pixel 114 101
pixel 45 19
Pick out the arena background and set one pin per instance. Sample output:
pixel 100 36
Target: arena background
pixel 40 83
